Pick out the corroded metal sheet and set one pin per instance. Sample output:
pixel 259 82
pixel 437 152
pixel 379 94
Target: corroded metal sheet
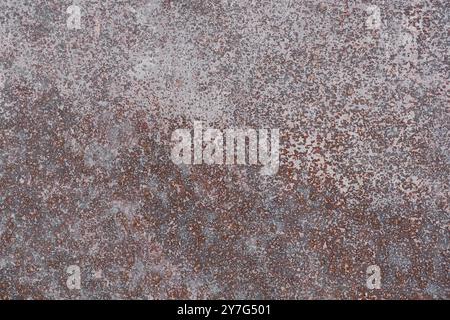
pixel 118 175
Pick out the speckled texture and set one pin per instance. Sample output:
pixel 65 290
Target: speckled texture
pixel 86 178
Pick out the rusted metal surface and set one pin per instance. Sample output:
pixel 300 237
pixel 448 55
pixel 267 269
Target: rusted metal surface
pixel 357 89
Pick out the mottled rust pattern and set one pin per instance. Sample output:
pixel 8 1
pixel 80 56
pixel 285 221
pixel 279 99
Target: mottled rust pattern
pixel 86 178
